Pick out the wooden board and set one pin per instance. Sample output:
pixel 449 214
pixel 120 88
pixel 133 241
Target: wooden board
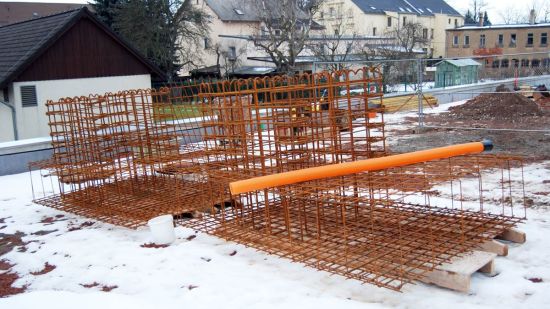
pixel 457 274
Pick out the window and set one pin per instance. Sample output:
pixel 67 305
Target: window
pixel 232 53
pixel 515 63
pixel 374 31
pixel 482 40
pixel 336 32
pixel 535 63
pixel 501 40
pixel 543 39
pixel 425 33
pixel 456 22
pixel 322 14
pixel 524 63
pixel 6 95
pixel 505 63
pixel 404 20
pixel 466 40
pixel 529 39
pixel 455 40
pixel 238 11
pixel 496 64
pixel 206 43
pixel 28 96
pixel 546 62
pixel 331 12
pixel 432 34
pixel 449 21
pixel 389 21
pixel 277 32
pixel 513 40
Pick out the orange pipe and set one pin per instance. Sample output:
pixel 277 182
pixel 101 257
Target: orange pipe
pixel 341 169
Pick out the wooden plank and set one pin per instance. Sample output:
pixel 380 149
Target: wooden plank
pixel 494 247
pixel 513 235
pixel 457 274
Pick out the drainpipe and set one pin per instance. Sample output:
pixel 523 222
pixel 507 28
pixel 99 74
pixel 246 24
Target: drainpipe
pixel 13 119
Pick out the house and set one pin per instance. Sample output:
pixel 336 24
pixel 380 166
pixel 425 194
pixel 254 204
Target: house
pixel 383 17
pixel 528 42
pixel 229 47
pixel 62 55
pixel 12 12
pixel 456 72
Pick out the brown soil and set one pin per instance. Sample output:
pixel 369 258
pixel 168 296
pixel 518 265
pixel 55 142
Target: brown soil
pixel 10 241
pixel 512 107
pixel 81 226
pixel 153 245
pixel 104 288
pixel 6 281
pixel 47 268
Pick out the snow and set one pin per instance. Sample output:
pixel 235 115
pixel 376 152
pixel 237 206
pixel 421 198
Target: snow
pixel 203 273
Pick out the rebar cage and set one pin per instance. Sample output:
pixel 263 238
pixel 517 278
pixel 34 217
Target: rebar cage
pixel 127 157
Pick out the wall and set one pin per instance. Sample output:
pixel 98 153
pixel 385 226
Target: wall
pixel 32 121
pixel 466 92
pixel 15 156
pixel 491 40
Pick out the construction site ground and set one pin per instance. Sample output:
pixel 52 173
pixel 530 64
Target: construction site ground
pixel 520 127
pixel 52 259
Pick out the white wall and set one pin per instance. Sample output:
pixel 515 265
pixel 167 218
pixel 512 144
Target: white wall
pixel 32 122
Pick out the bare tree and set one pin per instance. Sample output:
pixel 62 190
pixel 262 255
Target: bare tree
pixel 284 29
pixel 336 45
pixel 408 39
pixel 477 7
pixel 225 60
pixel 541 9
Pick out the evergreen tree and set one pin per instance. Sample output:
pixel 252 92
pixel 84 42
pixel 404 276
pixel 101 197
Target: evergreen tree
pixel 106 10
pixel 486 21
pixel 160 29
pixel 469 18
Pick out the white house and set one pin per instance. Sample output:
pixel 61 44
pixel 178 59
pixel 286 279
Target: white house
pixel 62 55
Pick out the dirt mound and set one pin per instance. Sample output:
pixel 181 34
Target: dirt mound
pixel 496 106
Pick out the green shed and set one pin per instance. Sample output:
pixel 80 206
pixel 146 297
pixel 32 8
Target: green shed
pixel 456 72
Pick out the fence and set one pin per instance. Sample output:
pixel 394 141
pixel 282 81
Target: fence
pixel 453 79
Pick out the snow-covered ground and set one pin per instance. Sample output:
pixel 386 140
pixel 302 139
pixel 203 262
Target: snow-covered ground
pixel 207 272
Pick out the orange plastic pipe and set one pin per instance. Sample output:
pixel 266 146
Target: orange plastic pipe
pixel 348 168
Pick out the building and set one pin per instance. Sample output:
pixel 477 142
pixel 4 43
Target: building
pixel 456 72
pixel 491 41
pixel 229 46
pixel 383 17
pixel 12 12
pixel 62 55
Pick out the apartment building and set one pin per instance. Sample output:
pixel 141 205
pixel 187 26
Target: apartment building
pixel 382 17
pixel 523 40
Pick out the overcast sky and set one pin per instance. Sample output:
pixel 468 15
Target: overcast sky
pixel 494 7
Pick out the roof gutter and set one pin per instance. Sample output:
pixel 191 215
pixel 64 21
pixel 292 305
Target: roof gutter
pixel 13 119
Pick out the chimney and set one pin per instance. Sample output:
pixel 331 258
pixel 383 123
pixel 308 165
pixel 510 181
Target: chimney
pixel 480 19
pixel 532 17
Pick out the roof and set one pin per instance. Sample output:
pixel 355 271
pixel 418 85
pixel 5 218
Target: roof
pixel 22 43
pixel 460 62
pixel 504 26
pixel 417 7
pixel 247 10
pixel 11 12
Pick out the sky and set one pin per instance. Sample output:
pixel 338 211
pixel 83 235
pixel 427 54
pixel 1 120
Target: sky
pixel 494 7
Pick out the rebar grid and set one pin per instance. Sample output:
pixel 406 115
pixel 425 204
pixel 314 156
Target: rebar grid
pixel 386 228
